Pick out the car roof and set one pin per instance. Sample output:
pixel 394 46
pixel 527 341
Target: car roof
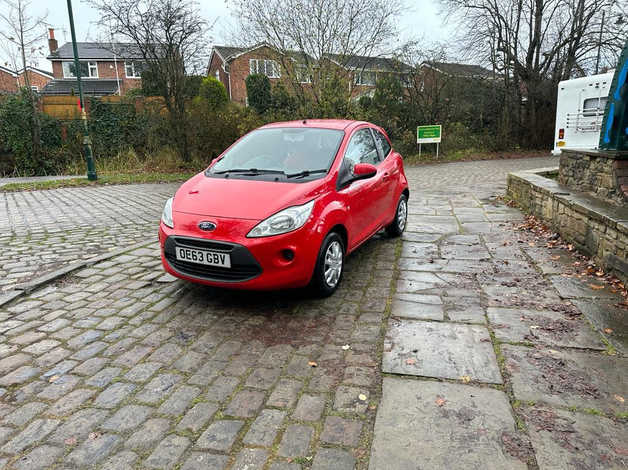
pixel 341 124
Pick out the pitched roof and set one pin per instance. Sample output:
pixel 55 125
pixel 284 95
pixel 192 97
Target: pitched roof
pixel 98 51
pixel 36 70
pixel 460 70
pixel 90 87
pixel 227 51
pixel 7 70
pixel 361 62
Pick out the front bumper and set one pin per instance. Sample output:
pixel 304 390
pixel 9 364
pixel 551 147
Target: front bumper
pixel 256 263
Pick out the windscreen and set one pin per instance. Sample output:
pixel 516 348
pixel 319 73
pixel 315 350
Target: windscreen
pixel 288 150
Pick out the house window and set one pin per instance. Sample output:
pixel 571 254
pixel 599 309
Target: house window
pixel 303 73
pixel 365 78
pixel 133 69
pixel 594 106
pixel 270 68
pixel 35 88
pixel 88 70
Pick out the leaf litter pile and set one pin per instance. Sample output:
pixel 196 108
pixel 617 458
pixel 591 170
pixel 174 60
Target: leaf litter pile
pixel 582 267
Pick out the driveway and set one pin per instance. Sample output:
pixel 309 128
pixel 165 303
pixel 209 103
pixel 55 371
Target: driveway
pixel 459 344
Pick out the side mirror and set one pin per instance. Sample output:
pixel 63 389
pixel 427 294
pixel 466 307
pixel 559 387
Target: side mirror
pixel 360 171
pixel 364 170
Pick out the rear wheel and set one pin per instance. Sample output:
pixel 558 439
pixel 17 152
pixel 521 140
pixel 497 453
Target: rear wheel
pixel 398 225
pixel 329 266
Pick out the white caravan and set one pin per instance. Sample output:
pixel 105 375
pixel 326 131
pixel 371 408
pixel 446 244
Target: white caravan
pixel 580 110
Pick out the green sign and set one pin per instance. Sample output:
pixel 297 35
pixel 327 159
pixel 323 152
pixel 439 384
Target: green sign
pixel 428 134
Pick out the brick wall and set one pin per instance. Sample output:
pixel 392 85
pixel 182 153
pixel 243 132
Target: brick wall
pixel 215 65
pixel 8 82
pixel 107 71
pixel 36 79
pixel 603 174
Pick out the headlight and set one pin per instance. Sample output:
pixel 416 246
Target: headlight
pixel 282 222
pixel 166 215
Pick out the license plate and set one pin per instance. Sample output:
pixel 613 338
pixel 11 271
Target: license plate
pixel 211 258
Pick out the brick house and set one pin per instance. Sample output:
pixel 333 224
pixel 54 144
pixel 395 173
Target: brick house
pixel 231 65
pixel 11 81
pixel 106 68
pixel 8 80
pixel 38 78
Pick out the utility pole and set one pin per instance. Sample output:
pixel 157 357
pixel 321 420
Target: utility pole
pixel 599 45
pixel 87 141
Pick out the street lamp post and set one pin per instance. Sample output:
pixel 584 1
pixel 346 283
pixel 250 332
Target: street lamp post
pixel 87 141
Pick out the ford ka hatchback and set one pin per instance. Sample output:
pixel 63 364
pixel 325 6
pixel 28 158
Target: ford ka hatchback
pixel 284 205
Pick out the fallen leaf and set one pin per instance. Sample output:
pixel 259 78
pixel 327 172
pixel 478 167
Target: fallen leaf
pixel 466 379
pixel 362 397
pixel 372 407
pixel 608 331
pixel 346 347
pixel 619 398
pixel 70 441
pixel 94 435
pixel 440 401
pixel 555 258
pixel 596 286
pixel 410 361
pixel 312 364
pixel 531 244
pixel 534 327
pixel 53 378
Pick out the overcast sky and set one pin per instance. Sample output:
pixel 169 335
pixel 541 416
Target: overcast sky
pixel 421 21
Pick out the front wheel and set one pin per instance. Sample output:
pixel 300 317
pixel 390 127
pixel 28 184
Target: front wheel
pixel 329 266
pixel 398 225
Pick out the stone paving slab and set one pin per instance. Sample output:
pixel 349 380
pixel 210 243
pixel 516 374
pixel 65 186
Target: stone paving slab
pixel 609 318
pixel 440 350
pixel 568 378
pixel 564 439
pixel 439 425
pixel 543 326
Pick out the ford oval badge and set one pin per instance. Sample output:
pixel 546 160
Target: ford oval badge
pixel 207 226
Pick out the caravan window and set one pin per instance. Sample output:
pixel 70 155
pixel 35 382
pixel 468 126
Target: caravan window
pixel 593 106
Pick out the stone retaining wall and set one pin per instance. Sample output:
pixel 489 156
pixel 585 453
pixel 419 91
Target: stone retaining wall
pixel 598 229
pixel 603 174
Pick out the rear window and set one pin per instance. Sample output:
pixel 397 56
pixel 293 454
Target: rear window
pixel 594 106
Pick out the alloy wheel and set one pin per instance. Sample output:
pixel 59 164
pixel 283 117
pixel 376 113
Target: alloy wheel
pixel 333 263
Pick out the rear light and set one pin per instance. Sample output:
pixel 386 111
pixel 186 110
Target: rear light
pixel 561 134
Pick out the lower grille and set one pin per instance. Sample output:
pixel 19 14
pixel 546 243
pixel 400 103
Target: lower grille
pixel 244 267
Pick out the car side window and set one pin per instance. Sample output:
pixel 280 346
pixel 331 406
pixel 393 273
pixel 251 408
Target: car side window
pixel 382 143
pixel 361 148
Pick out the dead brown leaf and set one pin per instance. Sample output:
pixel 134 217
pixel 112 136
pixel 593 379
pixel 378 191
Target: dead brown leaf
pixel 410 361
pixel 70 441
pixel 596 286
pixel 440 401
pixel 608 331
pixel 312 364
pixel 619 398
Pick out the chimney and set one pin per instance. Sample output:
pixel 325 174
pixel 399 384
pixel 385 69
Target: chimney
pixel 53 45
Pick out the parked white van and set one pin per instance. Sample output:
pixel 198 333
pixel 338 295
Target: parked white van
pixel 580 110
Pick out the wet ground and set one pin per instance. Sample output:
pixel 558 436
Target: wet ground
pixel 459 345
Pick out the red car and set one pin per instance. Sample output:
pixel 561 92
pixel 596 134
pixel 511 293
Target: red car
pixel 284 205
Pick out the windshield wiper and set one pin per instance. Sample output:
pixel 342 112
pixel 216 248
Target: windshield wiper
pixel 304 173
pixel 253 171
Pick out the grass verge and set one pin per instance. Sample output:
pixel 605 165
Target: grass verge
pixel 103 179
pixel 471 155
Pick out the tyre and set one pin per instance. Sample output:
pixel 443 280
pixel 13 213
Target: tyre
pixel 398 225
pixel 329 266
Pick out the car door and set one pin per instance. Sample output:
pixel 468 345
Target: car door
pixel 389 167
pixel 363 197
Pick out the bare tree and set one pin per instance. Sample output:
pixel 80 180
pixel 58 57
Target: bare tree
pixel 171 37
pixel 308 33
pixel 534 44
pixel 23 36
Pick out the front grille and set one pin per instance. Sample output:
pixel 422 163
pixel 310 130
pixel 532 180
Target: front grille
pixel 243 265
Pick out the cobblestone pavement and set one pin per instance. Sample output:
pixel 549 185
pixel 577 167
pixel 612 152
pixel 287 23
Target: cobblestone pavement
pixel 486 358
pixel 41 230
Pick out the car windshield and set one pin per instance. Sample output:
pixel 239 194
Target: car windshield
pixel 295 152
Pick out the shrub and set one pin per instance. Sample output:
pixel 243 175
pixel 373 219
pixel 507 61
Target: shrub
pixel 213 92
pixel 258 92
